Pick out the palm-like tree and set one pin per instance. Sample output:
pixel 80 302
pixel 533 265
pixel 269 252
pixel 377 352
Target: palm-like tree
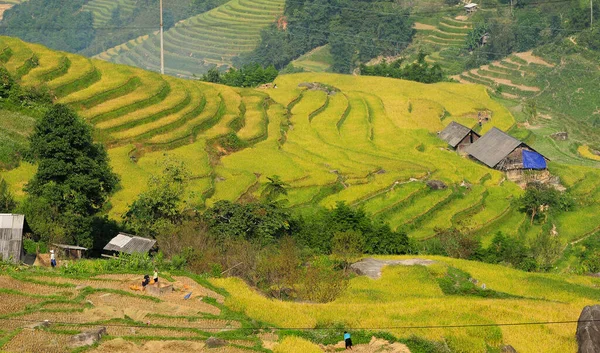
pixel 274 188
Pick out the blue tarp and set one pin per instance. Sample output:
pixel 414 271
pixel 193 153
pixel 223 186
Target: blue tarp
pixel 533 160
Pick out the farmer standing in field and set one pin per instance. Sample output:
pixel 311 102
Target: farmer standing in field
pixel 348 340
pixel 155 276
pixel 52 259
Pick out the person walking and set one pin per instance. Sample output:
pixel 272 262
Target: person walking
pixel 52 259
pixel 348 340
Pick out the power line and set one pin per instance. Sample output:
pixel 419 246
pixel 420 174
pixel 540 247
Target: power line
pixel 400 327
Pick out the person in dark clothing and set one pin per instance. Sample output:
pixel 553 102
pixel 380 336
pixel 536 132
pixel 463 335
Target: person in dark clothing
pixel 347 340
pixel 146 281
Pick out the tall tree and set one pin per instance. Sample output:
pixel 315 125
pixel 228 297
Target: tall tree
pixel 74 177
pixel 7 201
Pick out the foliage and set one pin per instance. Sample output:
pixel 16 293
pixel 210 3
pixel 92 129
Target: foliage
pixel 356 31
pixel 540 199
pixel 258 222
pixel 7 200
pixel 57 24
pixel 249 75
pixel 420 71
pixel 347 246
pixel 474 37
pixel 33 247
pixel 546 249
pixel 458 243
pixel 161 206
pixel 274 189
pixel 458 282
pixel 73 180
pixel 318 231
pixel 509 250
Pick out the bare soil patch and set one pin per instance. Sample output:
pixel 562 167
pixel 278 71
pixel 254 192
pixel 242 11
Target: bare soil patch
pixel 3 8
pixel 371 267
pixel 507 82
pixel 121 345
pixel 33 288
pixel 532 59
pixel 423 26
pixel 376 345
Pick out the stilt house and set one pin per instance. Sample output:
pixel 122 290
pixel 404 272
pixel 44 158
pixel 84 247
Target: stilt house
pixel 498 150
pixel 458 136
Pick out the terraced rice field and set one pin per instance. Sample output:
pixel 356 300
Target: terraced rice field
pixel 411 296
pixel 202 41
pixel 442 41
pixel 110 302
pixel 372 143
pixel 102 9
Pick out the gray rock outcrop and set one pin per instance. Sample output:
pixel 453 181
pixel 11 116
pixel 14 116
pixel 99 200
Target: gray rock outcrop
pixel 88 338
pixel 588 330
pixel 436 184
pixel 213 342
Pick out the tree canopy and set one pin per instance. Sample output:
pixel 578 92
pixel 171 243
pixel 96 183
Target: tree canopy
pixel 74 178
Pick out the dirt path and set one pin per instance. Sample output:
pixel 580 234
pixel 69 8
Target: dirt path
pixel 376 345
pixel 504 81
pixel 371 267
pixel 3 8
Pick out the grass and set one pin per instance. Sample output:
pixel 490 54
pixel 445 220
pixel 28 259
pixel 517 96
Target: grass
pixel 317 60
pixel 420 301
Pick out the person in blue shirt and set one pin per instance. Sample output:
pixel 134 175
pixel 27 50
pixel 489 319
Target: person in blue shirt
pixel 348 340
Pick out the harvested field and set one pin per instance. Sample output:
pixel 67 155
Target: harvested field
pixel 12 303
pixel 120 345
pixel 38 341
pixel 201 324
pixel 34 288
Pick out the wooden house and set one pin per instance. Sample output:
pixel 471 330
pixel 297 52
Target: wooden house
pixel 69 251
pixel 11 237
pixel 471 8
pixel 498 150
pixel 458 136
pixel 129 244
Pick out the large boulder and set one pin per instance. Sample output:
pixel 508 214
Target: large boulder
pixel 508 349
pixel 560 136
pixel 213 342
pixel 436 184
pixel 588 330
pixel 88 338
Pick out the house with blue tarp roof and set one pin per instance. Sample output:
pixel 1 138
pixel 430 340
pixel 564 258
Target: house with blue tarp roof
pixel 499 150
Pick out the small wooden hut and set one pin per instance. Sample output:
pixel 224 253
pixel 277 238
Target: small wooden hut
pixel 129 244
pixel 471 8
pixel 70 251
pixel 11 237
pixel 458 136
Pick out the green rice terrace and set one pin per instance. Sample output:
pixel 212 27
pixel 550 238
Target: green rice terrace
pixel 199 42
pixel 102 9
pixel 368 141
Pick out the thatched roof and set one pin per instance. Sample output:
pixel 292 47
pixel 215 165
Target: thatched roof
pixel 454 133
pixel 493 147
pixel 129 244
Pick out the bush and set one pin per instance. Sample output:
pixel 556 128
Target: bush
pixel 33 247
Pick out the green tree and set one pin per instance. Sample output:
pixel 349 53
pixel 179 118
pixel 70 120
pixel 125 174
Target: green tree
pixel 73 179
pixel 7 201
pixel 546 248
pixel 159 208
pixel 540 199
pixel 274 189
pixel 347 246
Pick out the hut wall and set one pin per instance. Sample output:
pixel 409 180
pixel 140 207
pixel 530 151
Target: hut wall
pixel 469 139
pixel 11 239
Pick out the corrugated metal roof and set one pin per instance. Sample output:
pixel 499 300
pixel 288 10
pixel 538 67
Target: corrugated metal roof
pixel 454 133
pixel 493 147
pixel 129 244
pixel 69 247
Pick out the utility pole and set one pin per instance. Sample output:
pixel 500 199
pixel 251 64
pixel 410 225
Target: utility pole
pixel 162 47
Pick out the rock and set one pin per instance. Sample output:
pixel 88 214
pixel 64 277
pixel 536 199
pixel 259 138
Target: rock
pixel 80 287
pixel 158 290
pixel 213 342
pixel 588 330
pixel 88 338
pixel 560 136
pixel 508 349
pixel 39 325
pixel 436 184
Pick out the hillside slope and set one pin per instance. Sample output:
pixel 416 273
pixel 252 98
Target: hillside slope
pixel 197 43
pixel 367 141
